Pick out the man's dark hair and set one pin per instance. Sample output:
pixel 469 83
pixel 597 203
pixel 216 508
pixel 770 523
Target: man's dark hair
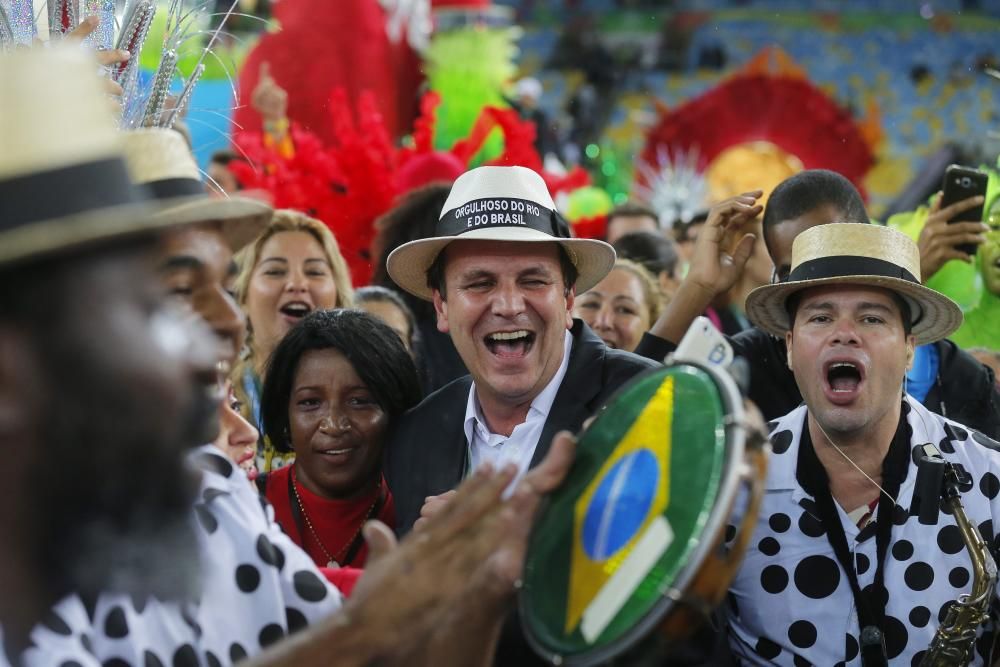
pixel 808 190
pixel 633 209
pixel 372 347
pixel 794 299
pixel 379 294
pixel 435 274
pixel 653 251
pixel 681 227
pixel 415 217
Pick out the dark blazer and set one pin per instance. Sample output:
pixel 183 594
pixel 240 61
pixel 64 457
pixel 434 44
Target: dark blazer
pixel 428 452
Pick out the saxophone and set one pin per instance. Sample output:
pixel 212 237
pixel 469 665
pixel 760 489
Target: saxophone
pixel 955 637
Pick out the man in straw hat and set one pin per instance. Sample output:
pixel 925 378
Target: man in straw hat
pixel 835 573
pixel 954 384
pixel 101 536
pixel 502 273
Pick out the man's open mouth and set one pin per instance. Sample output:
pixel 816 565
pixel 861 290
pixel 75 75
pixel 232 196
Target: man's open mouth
pixel 844 377
pixel 510 343
pixel 295 309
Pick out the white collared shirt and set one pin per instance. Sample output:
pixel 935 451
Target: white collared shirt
pixel 519 447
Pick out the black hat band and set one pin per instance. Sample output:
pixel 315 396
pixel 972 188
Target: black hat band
pixel 170 188
pixel 840 266
pixel 64 192
pixel 507 212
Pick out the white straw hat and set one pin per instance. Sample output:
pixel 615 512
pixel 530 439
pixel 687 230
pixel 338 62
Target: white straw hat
pixel 63 180
pixel 509 204
pixel 161 160
pixel 856 254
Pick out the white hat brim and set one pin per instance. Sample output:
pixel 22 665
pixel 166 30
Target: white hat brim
pixel 408 264
pixel 939 318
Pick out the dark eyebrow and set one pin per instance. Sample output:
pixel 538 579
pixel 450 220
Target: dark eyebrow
pixel 870 305
pixel 317 259
pixel 274 259
pixel 825 305
pixel 178 262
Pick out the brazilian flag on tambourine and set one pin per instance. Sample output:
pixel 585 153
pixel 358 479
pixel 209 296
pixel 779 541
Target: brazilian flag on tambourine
pixel 624 522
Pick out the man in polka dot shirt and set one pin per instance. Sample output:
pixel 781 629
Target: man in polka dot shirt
pixel 837 546
pixel 108 562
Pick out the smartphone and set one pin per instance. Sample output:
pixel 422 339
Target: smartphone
pixel 961 183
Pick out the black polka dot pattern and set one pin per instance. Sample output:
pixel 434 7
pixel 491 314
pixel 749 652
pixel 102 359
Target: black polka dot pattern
pixel 295 620
pixel 920 616
pixel 817 577
pixel 919 576
pixel 237 653
pixel 989 485
pixel 852 648
pixel 56 624
pixel 802 634
pixel 247 578
pixel 902 550
pixel 959 577
pixel 895 636
pixel 769 546
pixel 766 648
pixel 115 625
pixel 774 579
pixel 810 525
pixel 211 660
pixel 781 441
pixel 269 553
pixel 206 519
pixel 270 634
pixel 949 539
pixel 211 494
pixel 779 523
pixel 862 563
pixel 149 659
pixel 185 656
pixel 308 586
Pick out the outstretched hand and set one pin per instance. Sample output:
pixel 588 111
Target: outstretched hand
pixel 467 557
pixel 939 238
pixel 268 98
pixel 714 269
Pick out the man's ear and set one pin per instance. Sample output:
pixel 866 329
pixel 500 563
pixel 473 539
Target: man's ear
pixel 570 300
pixel 788 348
pixel 911 346
pixel 441 308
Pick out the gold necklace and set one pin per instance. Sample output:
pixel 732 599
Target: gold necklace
pixel 331 562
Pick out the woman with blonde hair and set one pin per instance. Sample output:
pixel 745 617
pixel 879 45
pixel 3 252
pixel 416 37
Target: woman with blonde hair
pixel 622 306
pixel 292 269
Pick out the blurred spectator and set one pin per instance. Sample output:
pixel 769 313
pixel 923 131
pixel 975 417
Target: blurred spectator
pixel 622 306
pixel 630 217
pixel 388 306
pixel 220 177
pixel 686 233
pixel 656 253
pixel 415 217
pixel 527 95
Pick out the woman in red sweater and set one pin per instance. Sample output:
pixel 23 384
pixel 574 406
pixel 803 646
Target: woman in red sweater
pixel 334 385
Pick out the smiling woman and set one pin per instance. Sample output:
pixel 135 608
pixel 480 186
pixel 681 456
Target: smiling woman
pixel 292 269
pixel 622 306
pixel 335 385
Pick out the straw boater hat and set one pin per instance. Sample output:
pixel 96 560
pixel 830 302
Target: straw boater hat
pixel 498 204
pixel 161 160
pixel 63 181
pixel 856 254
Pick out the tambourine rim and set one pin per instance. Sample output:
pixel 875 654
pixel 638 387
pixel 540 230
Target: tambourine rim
pixel 728 487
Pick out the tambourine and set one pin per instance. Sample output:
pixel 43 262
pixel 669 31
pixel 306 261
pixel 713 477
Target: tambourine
pixel 635 538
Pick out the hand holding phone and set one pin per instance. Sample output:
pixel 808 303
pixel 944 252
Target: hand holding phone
pixel 960 184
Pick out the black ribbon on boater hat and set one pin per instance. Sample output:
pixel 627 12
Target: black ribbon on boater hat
pixel 837 266
pixel 66 191
pixel 509 212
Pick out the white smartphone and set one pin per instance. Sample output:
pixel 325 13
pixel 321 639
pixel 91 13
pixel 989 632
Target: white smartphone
pixel 705 344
